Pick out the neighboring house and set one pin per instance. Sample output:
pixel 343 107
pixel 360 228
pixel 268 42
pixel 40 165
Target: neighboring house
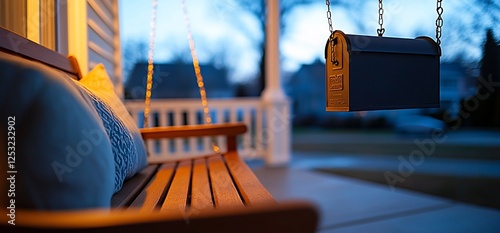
pixel 306 89
pixel 178 81
pixel 86 29
pixel 456 84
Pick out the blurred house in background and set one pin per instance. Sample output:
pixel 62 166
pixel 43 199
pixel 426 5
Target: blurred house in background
pixel 457 83
pixel 178 80
pixel 306 89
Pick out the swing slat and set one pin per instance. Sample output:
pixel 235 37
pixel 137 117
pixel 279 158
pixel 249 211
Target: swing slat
pixel 177 196
pixel 223 188
pixel 133 187
pixel 201 197
pixel 150 197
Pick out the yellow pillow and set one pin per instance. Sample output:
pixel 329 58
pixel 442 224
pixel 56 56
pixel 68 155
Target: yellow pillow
pixel 98 81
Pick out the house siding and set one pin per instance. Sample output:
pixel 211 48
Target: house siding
pixel 104 39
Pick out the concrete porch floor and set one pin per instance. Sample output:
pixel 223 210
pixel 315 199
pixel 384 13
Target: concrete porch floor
pixel 352 205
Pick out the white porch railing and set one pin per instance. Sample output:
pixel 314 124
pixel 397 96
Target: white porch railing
pixel 170 112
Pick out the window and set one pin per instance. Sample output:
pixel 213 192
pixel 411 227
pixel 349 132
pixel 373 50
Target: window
pixel 33 19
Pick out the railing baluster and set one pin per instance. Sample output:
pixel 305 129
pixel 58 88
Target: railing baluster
pixel 259 134
pixel 247 118
pixel 191 120
pixel 164 147
pixel 251 108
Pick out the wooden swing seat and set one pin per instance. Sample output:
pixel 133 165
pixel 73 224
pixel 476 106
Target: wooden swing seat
pixel 215 193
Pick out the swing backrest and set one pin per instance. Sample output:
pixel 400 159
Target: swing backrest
pixel 15 44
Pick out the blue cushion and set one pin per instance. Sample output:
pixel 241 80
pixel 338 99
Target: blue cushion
pixel 128 147
pixel 63 156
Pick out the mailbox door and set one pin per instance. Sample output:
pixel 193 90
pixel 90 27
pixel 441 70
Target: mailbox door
pixel 337 75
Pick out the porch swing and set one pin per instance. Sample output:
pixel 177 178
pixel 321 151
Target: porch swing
pixel 376 73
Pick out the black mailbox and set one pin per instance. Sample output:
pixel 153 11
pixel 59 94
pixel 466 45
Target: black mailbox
pixel 374 73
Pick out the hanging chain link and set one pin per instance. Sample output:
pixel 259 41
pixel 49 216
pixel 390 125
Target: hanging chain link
pixel 381 29
pixel 329 16
pixel 333 57
pixel 439 21
pixel 199 77
pixel 149 82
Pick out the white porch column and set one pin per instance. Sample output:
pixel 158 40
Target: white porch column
pixel 275 101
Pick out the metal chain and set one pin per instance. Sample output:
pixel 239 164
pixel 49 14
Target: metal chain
pixel 439 21
pixel 381 29
pixel 333 57
pixel 149 82
pixel 329 16
pixel 199 77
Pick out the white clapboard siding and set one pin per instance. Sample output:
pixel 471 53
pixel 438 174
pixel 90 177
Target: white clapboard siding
pixel 103 39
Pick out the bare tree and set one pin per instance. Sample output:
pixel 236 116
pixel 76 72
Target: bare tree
pixel 180 55
pixel 466 24
pixel 134 51
pixel 487 95
pixel 257 8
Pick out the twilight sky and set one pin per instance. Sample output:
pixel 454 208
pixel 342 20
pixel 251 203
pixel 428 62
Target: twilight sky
pixel 220 27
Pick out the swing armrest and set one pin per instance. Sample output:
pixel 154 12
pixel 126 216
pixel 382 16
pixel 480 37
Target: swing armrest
pixel 185 131
pixel 230 130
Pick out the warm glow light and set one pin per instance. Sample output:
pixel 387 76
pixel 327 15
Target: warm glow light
pixel 199 77
pixel 149 84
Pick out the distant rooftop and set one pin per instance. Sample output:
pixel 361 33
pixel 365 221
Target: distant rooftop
pixel 177 81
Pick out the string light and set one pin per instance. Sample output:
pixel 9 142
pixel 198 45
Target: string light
pixel 199 77
pixel 149 82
